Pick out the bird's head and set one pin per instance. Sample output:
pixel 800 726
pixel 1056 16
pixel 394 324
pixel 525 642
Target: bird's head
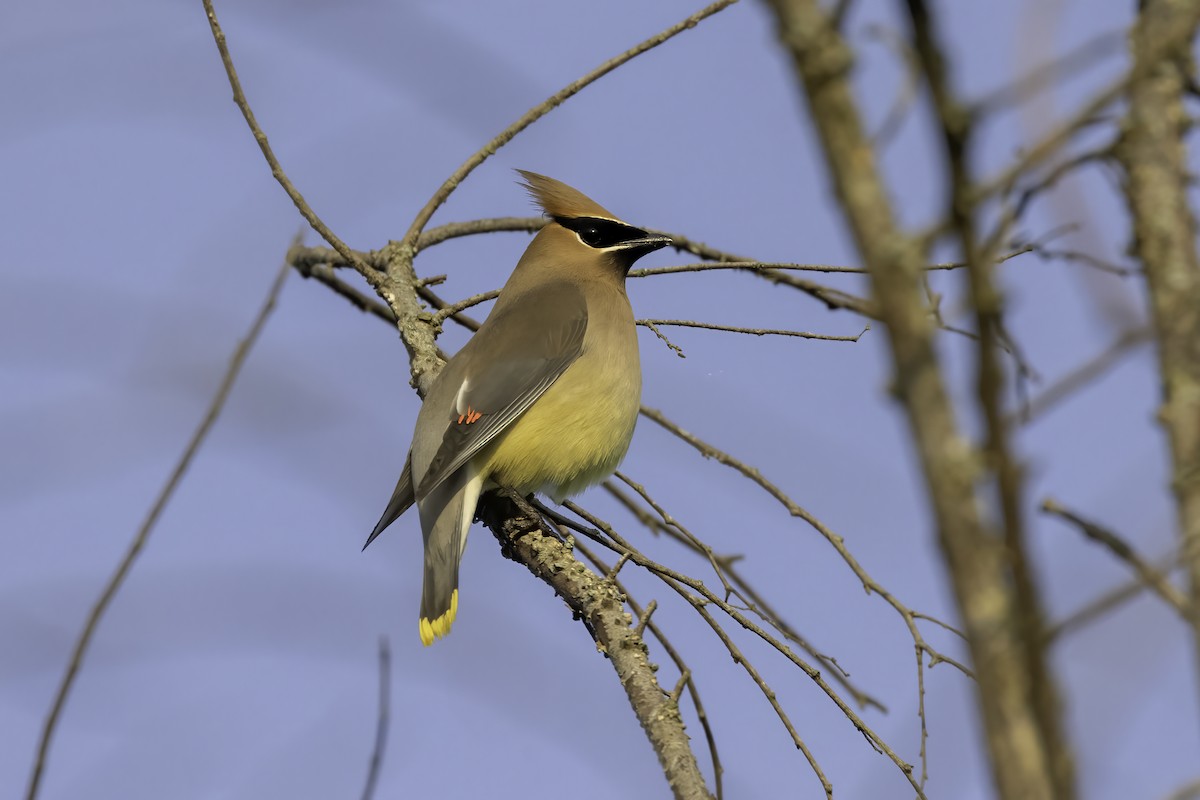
pixel 582 232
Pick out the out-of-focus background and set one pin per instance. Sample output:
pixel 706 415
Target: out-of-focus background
pixel 142 228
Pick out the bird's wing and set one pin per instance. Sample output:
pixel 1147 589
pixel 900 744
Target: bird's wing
pixel 402 498
pixel 525 348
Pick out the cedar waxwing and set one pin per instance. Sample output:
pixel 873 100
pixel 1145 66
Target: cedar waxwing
pixel 545 395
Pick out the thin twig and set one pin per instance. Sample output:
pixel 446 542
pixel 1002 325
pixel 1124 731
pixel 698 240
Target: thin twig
pixel 709 326
pixel 678 690
pixel 525 536
pixel 303 258
pixel 239 97
pixel 1051 143
pixel 411 238
pixel 117 579
pixel 676 349
pixel 752 598
pixel 869 583
pixel 796 510
pixel 1050 179
pixel 382 719
pixel 832 298
pixel 611 575
pixel 463 305
pixel 644 617
pixel 644 623
pixel 1156 581
pixel 1088 260
pixel 604 534
pixel 1081 376
pixel 394 284
pixel 894 41
pixel 677 583
pixel 1022 696
pixel 454 230
pixel 322 272
pixel 1106 601
pixel 692 540
pixel 1043 76
pixel 941 624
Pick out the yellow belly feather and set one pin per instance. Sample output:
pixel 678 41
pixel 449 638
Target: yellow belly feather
pixel 575 435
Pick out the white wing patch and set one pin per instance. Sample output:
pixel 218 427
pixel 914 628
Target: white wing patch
pixel 460 406
pixel 470 497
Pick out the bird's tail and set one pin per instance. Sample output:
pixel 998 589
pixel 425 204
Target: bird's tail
pixel 446 515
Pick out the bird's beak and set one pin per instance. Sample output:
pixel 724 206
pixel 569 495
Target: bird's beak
pixel 646 244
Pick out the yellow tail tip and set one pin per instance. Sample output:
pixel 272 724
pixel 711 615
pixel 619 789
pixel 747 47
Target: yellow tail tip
pixel 440 626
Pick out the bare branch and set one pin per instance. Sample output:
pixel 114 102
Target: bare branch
pixel 832 298
pixel 597 602
pixel 644 617
pixel 454 230
pixel 462 305
pixel 905 100
pixel 321 271
pixel 531 116
pixel 382 719
pixel 1154 580
pixel 975 561
pixel 676 349
pixel 609 538
pixel 753 599
pixel 1165 40
pixel 239 97
pixel 1082 376
pixel 1155 160
pixel 1047 771
pixel 117 579
pixel 1044 76
pixel 687 323
pixel 1107 601
pixel 869 583
pixel 644 623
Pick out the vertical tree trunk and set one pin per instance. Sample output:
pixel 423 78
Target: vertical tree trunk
pixel 1152 153
pixel 974 551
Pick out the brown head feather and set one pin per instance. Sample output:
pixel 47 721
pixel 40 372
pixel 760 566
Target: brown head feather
pixel 559 200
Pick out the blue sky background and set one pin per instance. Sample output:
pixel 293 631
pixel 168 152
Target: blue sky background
pixel 142 229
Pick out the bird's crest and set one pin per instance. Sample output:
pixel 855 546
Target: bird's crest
pixel 559 200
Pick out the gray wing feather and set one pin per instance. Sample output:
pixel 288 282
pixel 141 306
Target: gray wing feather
pixel 441 523
pixel 525 352
pixel 403 497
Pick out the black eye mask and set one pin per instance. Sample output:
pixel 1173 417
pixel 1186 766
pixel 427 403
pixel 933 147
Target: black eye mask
pixel 601 233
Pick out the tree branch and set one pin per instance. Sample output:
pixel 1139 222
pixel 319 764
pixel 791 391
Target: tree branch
pixel 999 464
pixel 239 97
pixel 398 285
pixel 542 109
pixel 117 579
pixel 712 326
pixel 517 526
pixel 1152 153
pixel 975 559
pixel 382 719
pixel 1155 581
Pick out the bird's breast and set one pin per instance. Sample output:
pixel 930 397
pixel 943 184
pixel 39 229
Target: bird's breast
pixel 578 432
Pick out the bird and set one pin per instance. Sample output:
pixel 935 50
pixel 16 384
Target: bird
pixel 543 398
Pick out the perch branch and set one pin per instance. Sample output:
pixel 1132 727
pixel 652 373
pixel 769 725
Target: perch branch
pixel 518 528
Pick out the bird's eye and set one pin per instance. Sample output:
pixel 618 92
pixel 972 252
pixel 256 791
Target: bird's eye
pixel 591 236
